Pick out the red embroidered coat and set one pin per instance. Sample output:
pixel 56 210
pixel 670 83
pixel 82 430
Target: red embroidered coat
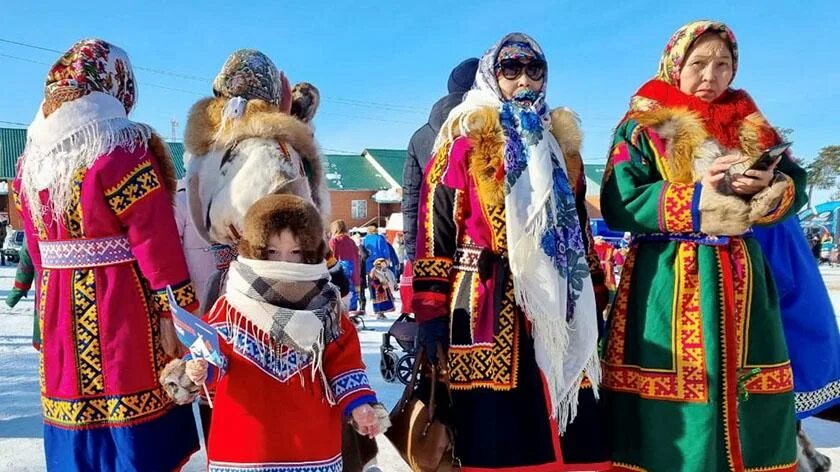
pixel 268 413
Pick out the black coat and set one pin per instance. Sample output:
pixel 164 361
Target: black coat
pixel 421 144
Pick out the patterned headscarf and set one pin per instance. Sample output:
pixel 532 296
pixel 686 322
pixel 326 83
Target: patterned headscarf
pixel 249 74
pixel 681 41
pixel 91 65
pixel 512 46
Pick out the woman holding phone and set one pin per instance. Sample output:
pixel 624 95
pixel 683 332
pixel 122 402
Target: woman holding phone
pixel 696 369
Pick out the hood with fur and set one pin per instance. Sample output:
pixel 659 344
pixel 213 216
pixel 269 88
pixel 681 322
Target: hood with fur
pixel 235 162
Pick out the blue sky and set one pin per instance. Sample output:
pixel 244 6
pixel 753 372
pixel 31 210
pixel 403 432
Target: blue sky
pixel 380 65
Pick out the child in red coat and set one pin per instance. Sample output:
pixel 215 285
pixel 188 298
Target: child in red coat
pixel 294 369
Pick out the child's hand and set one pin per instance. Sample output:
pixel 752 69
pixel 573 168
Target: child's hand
pixel 197 370
pixel 371 420
pixel 365 421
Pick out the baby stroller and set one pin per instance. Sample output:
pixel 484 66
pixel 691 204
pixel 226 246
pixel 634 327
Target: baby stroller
pixel 404 330
pixel 398 366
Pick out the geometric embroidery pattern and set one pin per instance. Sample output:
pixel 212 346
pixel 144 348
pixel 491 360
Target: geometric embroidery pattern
pixel 349 383
pixel 334 464
pixel 484 365
pixel 78 253
pixel 675 208
pixel 104 409
pixel 496 217
pixel 807 401
pixel 141 181
pixel 184 295
pixel 280 365
pixel 770 378
pixel 86 329
pixel 434 268
pixel 433 177
pixel 686 380
pixel 73 217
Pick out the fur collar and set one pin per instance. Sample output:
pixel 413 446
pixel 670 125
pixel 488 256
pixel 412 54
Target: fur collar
pixel 487 140
pixel 688 141
pixel 260 120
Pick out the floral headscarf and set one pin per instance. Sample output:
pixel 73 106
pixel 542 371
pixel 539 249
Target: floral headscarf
pixel 249 74
pixel 677 48
pixel 512 46
pixel 88 94
pixel 91 65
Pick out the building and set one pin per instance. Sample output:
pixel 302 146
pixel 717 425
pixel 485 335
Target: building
pixel 365 188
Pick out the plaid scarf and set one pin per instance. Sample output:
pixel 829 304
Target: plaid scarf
pixel 283 306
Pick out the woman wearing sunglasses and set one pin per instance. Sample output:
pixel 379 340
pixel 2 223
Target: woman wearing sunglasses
pixel 502 274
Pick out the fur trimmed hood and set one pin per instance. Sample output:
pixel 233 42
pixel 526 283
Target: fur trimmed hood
pixel 488 144
pixel 261 152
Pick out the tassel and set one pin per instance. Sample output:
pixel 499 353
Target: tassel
pixel 234 109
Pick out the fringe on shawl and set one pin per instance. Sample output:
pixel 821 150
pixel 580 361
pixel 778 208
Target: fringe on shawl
pixel 275 356
pixel 78 151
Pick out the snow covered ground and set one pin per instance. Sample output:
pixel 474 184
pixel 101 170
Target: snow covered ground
pixel 21 443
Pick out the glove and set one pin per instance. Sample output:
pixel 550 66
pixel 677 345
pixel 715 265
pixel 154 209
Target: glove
pixel 432 333
pixel 177 384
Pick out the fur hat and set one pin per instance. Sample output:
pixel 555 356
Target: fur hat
pixel 272 214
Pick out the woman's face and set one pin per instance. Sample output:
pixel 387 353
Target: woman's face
pixel 284 247
pixel 707 70
pixel 510 87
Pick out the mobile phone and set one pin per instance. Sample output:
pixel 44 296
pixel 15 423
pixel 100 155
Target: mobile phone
pixel 769 156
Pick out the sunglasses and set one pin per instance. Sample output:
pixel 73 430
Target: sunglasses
pixel 511 69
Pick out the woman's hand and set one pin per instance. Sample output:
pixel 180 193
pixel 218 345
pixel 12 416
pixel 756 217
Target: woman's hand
pixel 366 421
pixel 197 371
pixel 716 174
pixel 753 181
pixel 169 338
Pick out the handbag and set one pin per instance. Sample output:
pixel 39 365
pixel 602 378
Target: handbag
pixel 417 432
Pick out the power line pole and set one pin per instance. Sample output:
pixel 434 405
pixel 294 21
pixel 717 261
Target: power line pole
pixel 174 124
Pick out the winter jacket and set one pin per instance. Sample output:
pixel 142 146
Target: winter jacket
pixel 420 147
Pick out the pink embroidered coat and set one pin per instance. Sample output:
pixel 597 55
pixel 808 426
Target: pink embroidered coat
pixel 104 271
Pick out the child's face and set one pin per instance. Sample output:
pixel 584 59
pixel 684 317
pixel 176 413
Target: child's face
pixel 284 247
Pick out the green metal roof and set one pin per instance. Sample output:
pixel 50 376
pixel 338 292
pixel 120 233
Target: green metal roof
pixel 177 151
pixel 352 172
pixel 392 160
pixel 594 172
pixel 13 140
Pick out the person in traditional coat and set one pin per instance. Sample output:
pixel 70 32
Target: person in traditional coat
pixel 294 370
pixel 696 368
pixel 382 283
pixel 95 190
pixel 505 273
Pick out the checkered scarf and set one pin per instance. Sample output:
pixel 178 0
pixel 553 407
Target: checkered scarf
pixel 284 305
